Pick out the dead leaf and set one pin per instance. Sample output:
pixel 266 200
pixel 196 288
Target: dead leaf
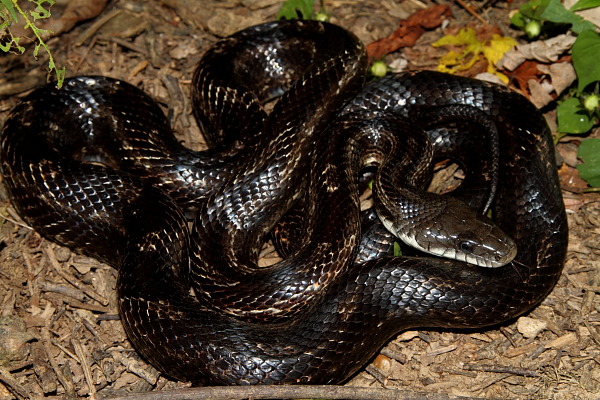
pixel 568 153
pixel 486 76
pixel 542 83
pixel 409 30
pixel 467 47
pixel 545 51
pixel 539 93
pixel 74 12
pixel 570 179
pixel 526 71
pixel 224 22
pixel 562 75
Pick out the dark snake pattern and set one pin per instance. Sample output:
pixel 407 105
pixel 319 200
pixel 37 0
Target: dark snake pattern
pixel 94 166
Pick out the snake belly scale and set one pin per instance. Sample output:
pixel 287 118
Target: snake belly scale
pixel 95 166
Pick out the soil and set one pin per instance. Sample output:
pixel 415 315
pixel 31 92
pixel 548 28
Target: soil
pixel 60 334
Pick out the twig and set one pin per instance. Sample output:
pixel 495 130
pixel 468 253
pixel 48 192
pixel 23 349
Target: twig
pixel 124 44
pixel 377 374
pixel 63 290
pixel 507 334
pixel 83 57
pixel 471 11
pixel 87 372
pixel 593 333
pixel 395 355
pixel 71 279
pixel 14 220
pixel 95 26
pixel 86 306
pixel 12 384
pixel 490 382
pixel 67 385
pixel 502 369
pixel 441 350
pixel 287 391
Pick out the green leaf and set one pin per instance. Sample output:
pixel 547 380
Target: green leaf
pixel 5 47
pixel 552 11
pixel 11 9
pixel 557 13
pixel 60 76
pixel 36 49
pixel 585 58
pixel 534 9
pixel 573 117
pixel 12 45
pixel 296 9
pixel 589 153
pixel 585 4
pixel 397 249
pixel 519 20
pixel 41 12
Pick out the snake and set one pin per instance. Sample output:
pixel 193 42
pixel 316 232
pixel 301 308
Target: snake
pixel 291 123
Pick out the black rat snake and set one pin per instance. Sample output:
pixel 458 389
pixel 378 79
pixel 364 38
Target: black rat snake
pixel 94 166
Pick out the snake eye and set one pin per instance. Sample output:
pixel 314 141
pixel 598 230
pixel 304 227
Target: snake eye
pixel 466 246
pixel 466 242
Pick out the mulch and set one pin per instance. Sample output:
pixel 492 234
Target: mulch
pixel 60 334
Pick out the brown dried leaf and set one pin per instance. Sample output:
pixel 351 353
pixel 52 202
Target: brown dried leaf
pixel 570 179
pixel 539 93
pixel 562 75
pixel 545 51
pixel 543 83
pixel 523 74
pixel 76 11
pixel 409 30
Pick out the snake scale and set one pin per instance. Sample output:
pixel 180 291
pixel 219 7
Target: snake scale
pixel 95 166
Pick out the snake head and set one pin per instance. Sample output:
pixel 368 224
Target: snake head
pixel 483 243
pixel 451 229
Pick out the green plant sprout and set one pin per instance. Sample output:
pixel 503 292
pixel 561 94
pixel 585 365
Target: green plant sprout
pixel 9 11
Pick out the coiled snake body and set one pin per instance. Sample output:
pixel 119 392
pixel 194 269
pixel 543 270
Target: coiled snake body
pixel 94 166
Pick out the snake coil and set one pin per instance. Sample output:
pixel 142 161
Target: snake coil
pixel 95 166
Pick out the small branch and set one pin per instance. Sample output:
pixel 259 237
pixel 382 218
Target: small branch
pixel 67 385
pixel 471 11
pixel 71 279
pixel 288 391
pixel 502 369
pixel 12 384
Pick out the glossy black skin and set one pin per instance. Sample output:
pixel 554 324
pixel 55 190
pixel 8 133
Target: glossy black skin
pixel 136 223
